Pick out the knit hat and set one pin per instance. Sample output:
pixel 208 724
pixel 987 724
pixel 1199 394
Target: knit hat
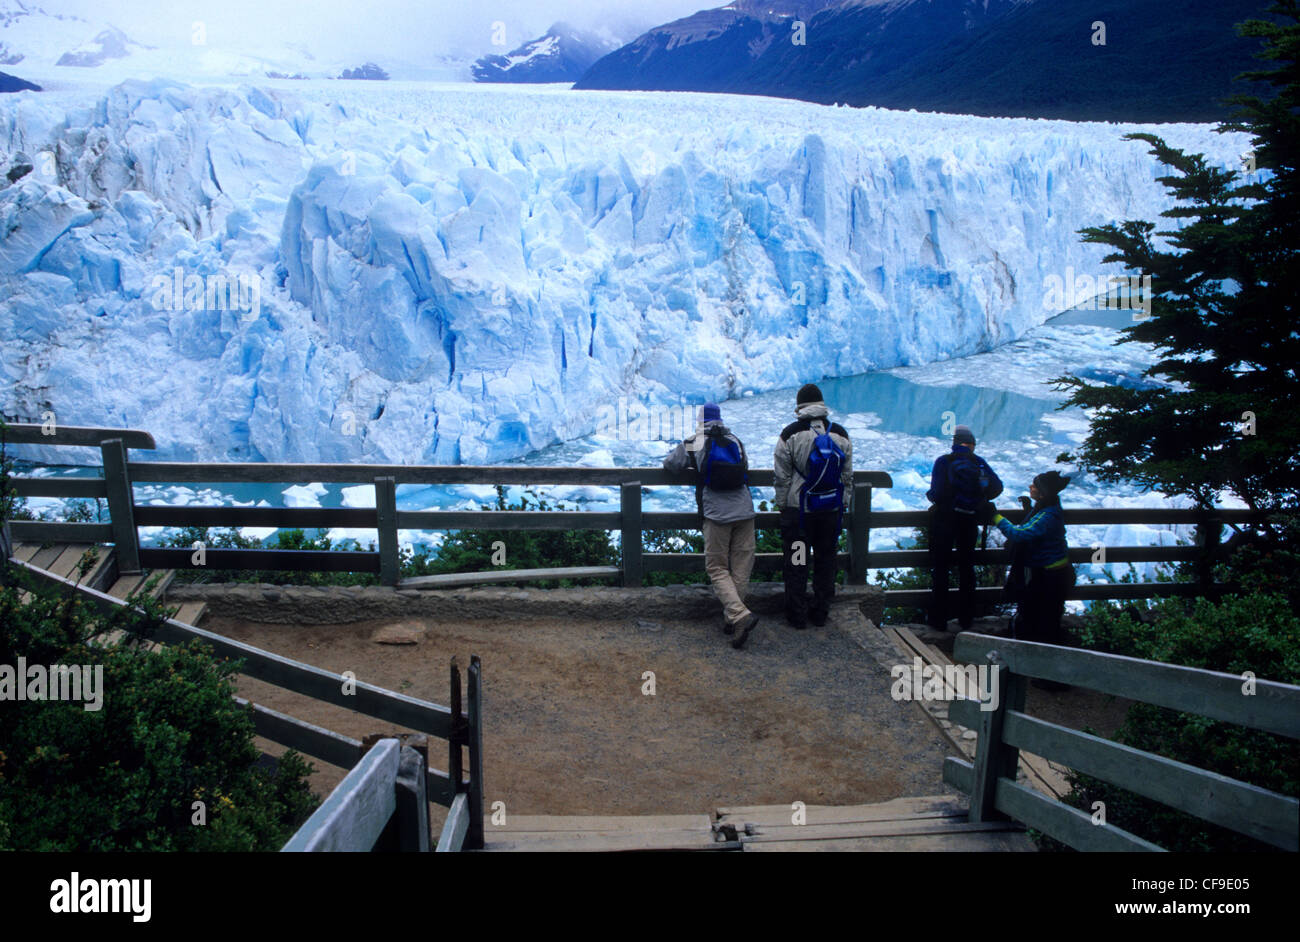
pixel 808 393
pixel 711 413
pixel 1051 483
pixel 963 436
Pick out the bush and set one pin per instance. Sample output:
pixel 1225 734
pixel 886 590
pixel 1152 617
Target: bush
pixel 126 776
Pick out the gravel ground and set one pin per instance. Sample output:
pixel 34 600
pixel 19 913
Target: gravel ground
pixel 795 716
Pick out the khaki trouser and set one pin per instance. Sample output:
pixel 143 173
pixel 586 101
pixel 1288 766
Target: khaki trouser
pixel 729 559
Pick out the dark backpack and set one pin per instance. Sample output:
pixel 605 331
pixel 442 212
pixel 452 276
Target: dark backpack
pixel 723 466
pixel 967 483
pixel 822 488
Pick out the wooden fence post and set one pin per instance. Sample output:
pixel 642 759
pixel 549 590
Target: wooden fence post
pixel 458 735
pixel 474 835
pixel 1209 533
pixel 859 534
pixel 630 517
pixel 386 511
pixel 412 814
pixel 121 503
pixel 994 759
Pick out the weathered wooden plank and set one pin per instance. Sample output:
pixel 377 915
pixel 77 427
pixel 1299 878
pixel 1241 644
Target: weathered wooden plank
pixel 289 674
pixel 117 483
pixel 42 531
pixel 935 806
pixel 68 560
pixel 920 559
pixel 454 829
pixel 386 514
pixel 677 520
pixel 1148 590
pixel 456 579
pixel 33 434
pixel 279 560
pixel 357 811
pixel 412 814
pixel 994 758
pixel 1274 707
pixel 439 787
pixel 1081 516
pixel 59 487
pixel 606 842
pixel 1068 825
pixel 968 842
pixel 310 740
pixel 126 585
pixel 898 828
pixel 474 714
pixel 25 551
pixel 519 825
pixel 191 613
pixel 285 518
pixel 179 472
pixel 1247 809
pixel 859 534
pixel 630 512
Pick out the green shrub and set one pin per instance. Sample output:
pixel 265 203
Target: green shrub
pixel 126 776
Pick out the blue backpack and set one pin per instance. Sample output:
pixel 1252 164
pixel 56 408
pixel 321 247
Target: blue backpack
pixel 967 483
pixel 723 466
pixel 822 488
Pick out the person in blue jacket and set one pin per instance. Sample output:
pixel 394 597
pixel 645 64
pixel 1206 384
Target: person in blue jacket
pixel 960 484
pixel 1046 556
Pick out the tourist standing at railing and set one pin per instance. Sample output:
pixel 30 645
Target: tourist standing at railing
pixel 960 484
pixel 1050 576
pixel 727 508
pixel 813 466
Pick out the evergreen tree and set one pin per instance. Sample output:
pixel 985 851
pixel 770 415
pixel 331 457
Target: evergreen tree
pixel 1223 319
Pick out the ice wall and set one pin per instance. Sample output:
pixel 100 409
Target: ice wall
pixel 465 274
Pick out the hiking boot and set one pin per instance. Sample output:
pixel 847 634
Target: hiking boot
pixel 745 628
pixel 818 619
pixel 728 629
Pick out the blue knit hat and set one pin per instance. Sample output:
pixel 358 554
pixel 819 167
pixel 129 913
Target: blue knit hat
pixel 711 412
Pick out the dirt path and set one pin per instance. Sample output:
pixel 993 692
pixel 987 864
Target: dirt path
pixel 568 730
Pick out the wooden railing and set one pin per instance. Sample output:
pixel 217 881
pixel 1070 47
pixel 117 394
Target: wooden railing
pixel 1004 729
pixel 120 475
pixel 463 730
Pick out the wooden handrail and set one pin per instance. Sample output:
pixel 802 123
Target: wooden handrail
pixel 1004 728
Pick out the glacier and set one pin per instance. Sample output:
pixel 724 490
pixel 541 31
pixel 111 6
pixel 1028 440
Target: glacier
pixel 468 274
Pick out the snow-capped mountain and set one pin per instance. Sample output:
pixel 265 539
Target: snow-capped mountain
pixel 465 275
pixel 1119 60
pixel 562 54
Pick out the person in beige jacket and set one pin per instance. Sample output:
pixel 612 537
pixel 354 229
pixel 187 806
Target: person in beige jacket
pixel 812 511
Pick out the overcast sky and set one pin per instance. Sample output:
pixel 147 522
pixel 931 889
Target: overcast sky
pixel 403 28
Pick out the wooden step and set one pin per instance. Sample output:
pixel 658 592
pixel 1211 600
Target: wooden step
pixel 935 807
pixel 126 584
pixel 601 833
pixel 191 613
pixel 65 566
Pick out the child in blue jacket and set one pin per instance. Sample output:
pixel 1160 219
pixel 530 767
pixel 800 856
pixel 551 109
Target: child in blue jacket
pixel 1042 537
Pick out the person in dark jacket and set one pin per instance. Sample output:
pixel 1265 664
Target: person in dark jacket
pixel 809 524
pixel 960 484
pixel 1047 558
pixel 728 526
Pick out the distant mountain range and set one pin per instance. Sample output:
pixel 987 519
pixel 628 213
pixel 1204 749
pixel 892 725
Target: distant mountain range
pixel 1147 60
pixel 12 83
pixel 561 54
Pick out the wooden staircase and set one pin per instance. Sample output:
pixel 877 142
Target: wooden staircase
pixel 904 824
pixel 63 559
